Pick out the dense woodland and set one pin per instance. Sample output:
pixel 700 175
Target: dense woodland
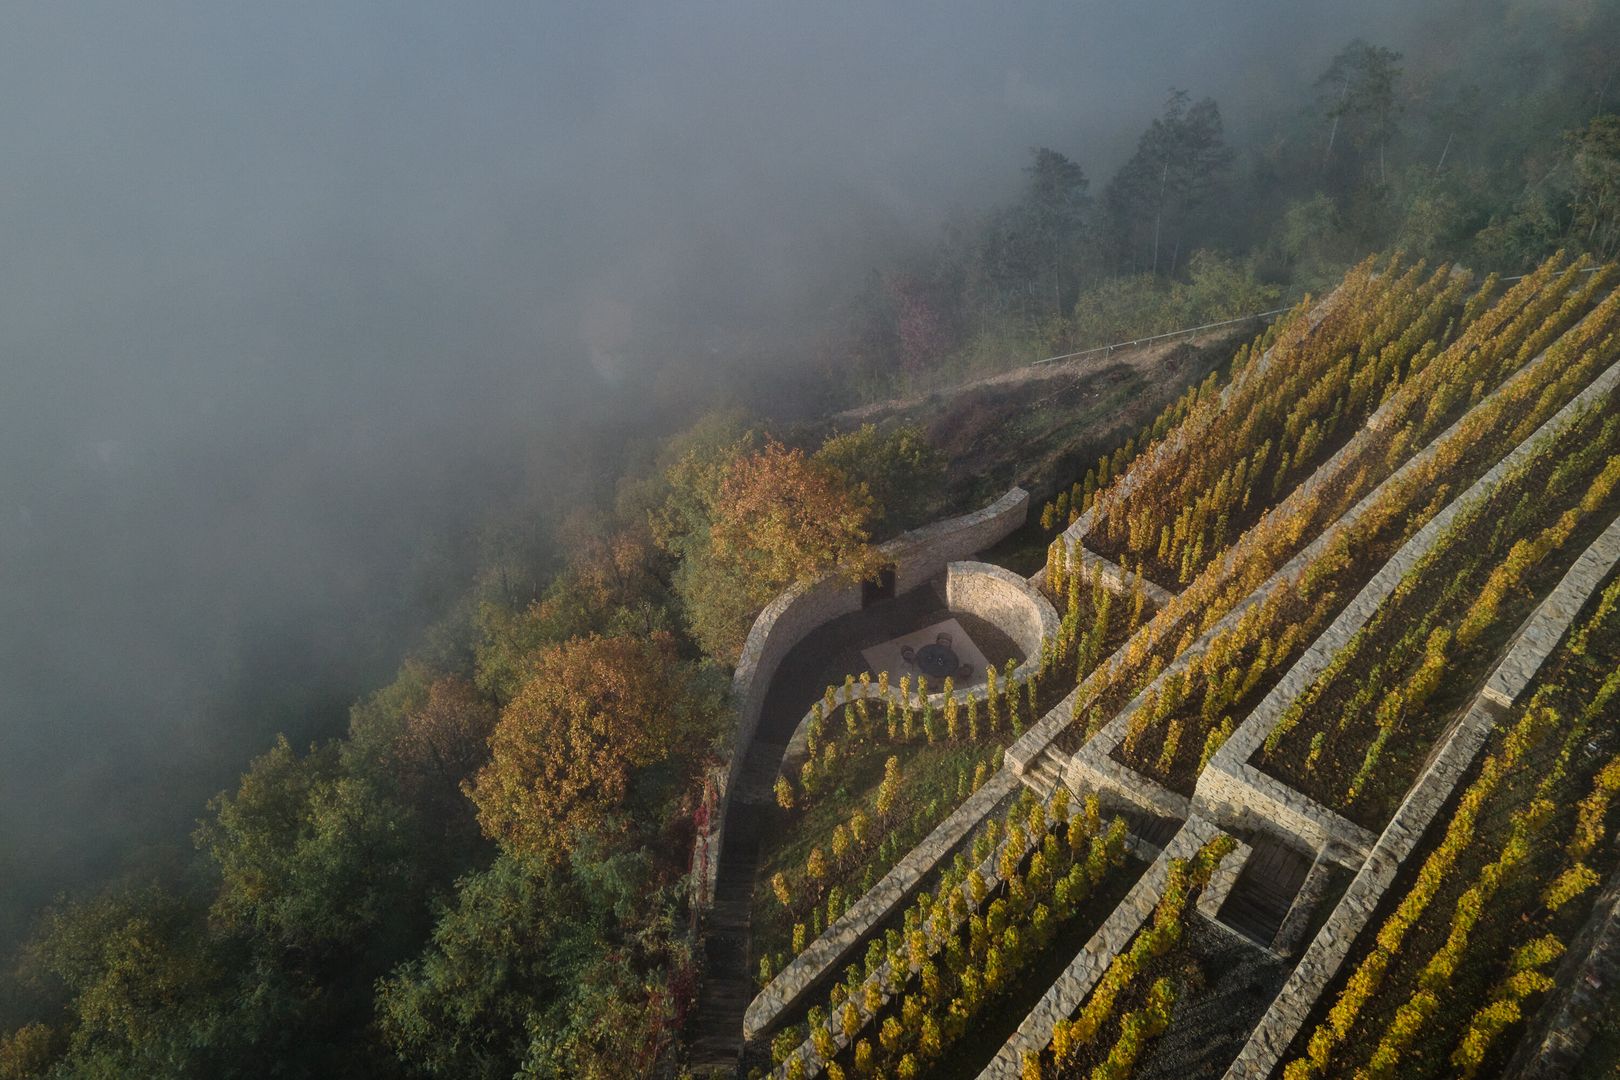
pixel 488 875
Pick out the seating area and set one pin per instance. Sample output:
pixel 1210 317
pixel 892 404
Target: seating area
pixel 937 652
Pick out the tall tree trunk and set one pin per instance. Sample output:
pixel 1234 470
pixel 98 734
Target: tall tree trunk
pixel 1333 132
pixel 1158 218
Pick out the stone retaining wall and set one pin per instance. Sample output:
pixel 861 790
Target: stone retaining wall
pixel 1248 798
pixel 1537 637
pixel 838 941
pixel 998 596
pixel 1094 768
pixel 1075 534
pixel 922 553
pixel 1065 995
pixel 1221 881
pixel 916 556
pixel 1297 921
pixel 1245 799
pixel 1234 792
pixel 1100 767
pixel 1005 600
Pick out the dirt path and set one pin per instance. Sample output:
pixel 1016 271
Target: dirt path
pixel 1141 358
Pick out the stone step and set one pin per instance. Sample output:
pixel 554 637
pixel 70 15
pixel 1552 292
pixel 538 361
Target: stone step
pixel 1264 892
pixel 1043 776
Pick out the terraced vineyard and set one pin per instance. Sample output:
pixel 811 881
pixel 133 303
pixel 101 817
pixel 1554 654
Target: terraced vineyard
pixel 1473 931
pixel 884 762
pixel 1315 773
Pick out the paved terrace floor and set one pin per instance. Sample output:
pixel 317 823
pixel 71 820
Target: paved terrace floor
pixel 821 659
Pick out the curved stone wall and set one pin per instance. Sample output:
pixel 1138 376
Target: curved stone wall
pixel 1001 598
pixel 916 556
pixel 1005 600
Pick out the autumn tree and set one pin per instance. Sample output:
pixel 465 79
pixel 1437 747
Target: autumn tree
pixel 567 749
pixel 611 583
pixel 774 517
pixel 790 518
pixel 442 744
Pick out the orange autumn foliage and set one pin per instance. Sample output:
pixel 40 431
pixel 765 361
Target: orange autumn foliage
pixel 590 712
pixel 788 517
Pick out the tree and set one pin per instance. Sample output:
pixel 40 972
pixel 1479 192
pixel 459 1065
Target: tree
pixel 922 324
pixel 441 744
pixel 1177 167
pixel 311 856
pixel 611 584
pixel 900 469
pixel 566 749
pixel 1595 192
pixel 27 1052
pixel 152 992
pixel 776 517
pixel 1031 253
pixel 1055 206
pixel 507 956
pixel 790 518
pixel 1357 95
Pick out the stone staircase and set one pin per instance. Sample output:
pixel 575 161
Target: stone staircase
pixel 716 1037
pixel 1265 891
pixel 1043 775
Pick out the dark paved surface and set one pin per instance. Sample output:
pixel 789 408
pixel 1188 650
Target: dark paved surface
pixel 821 659
pixel 1234 985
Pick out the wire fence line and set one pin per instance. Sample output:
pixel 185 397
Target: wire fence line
pixel 1158 337
pixel 1582 270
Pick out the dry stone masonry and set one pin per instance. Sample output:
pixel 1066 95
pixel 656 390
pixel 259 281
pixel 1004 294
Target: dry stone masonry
pixel 1231 795
pixel 1535 641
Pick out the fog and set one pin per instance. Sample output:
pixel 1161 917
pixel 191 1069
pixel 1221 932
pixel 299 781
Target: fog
pixel 295 294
